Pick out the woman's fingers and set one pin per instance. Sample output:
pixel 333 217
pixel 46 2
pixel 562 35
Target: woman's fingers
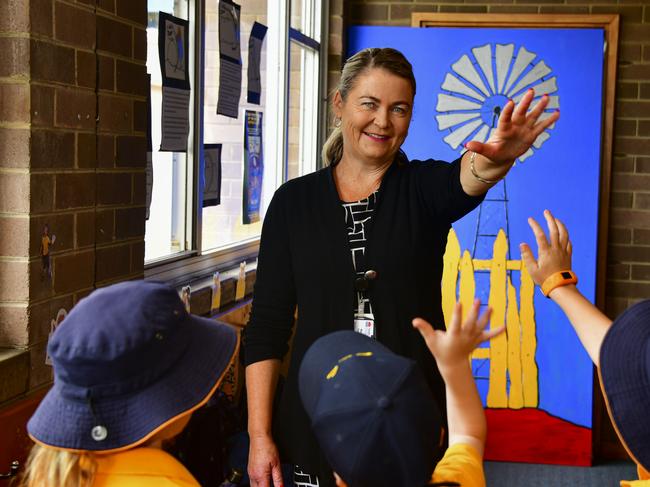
pixel 537 110
pixel 484 319
pixel 491 333
pixel 519 114
pixel 472 316
pixel 563 234
pixel 542 125
pixel 529 260
pixel 540 236
pixel 506 114
pixel 553 230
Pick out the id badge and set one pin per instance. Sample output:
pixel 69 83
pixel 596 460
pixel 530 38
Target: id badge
pixel 365 324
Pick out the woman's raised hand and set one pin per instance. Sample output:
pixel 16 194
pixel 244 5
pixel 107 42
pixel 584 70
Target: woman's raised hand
pixel 516 130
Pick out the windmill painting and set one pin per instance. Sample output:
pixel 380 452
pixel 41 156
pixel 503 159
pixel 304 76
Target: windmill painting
pixel 535 379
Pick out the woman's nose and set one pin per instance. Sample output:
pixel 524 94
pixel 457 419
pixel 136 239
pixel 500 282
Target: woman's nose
pixel 381 118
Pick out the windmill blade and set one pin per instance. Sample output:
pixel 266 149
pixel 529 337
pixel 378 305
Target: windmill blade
pixel 451 119
pixel 503 59
pixel 448 103
pixel 457 136
pixel 465 69
pixel 538 72
pixel 541 138
pixel 483 56
pixel 455 85
pixel 524 58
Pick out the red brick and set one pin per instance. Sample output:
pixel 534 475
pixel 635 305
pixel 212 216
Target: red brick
pixel 113 188
pixel 627 90
pixel 113 36
pixel 623 164
pixel 15 236
pixel 52 149
pixel 41 17
pixel 40 373
pixel 14 148
pixel 614 307
pixel 139 189
pixel 86 150
pixel 563 9
pixel 629 14
pixel 140 116
pixel 115 114
pixel 463 8
pixel 139 44
pixel 75 108
pixel 634 71
pixel 628 289
pixel 84 229
pixel 629 53
pixel 106 73
pixel 129 223
pixel 74 272
pixel 137 257
pixel 512 9
pixel 643 164
pixel 625 127
pixel 644 128
pixel 632 145
pixel 641 273
pixel 15 16
pixel 61 226
pixel 14 193
pixel 105 151
pixel 629 109
pixel 634 32
pixel 15 57
pixel 132 78
pixel 75 25
pixel 113 262
pixel 14 102
pixel 52 63
pixel 627 253
pixel 42 106
pixel 619 272
pixel 131 151
pixel 75 190
pixel 644 90
pixel 42 193
pixel 632 218
pixel 135 10
pixel 642 201
pixel 620 236
pixel 363 12
pixel 86 69
pixel 108 5
pixel 630 182
pixel 621 200
pixel 641 236
pixel 13 326
pixel 104 226
pixel 14 281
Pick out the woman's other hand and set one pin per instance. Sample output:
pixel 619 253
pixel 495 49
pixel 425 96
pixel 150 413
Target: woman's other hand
pixel 453 347
pixel 264 463
pixel 516 131
pixel 553 256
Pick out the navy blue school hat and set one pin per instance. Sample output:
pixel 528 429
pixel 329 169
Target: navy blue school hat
pixel 625 379
pixel 371 410
pixel 128 361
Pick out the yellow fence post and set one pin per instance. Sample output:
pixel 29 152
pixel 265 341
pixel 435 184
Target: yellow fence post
pixel 467 284
pixel 513 331
pixel 450 274
pixel 528 340
pixel 496 397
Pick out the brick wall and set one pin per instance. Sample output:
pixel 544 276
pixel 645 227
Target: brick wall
pixel 72 156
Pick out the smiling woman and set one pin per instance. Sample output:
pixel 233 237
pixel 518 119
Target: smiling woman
pixel 358 245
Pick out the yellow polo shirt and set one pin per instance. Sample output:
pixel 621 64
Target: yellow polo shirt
pixel 461 464
pixel 141 467
pixel 644 479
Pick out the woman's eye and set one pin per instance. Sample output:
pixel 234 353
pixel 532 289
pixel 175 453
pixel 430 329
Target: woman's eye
pixel 368 104
pixel 399 110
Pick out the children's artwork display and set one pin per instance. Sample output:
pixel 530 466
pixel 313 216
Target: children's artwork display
pixel 535 380
pixel 253 167
pixel 230 64
pixel 255 41
pixel 212 174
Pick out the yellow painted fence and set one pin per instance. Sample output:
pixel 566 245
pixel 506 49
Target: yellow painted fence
pixel 511 353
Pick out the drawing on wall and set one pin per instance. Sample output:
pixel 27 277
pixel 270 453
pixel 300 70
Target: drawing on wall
pixel 47 241
pixel 212 174
pixel 253 168
pixel 536 377
pixel 230 63
pixel 54 323
pixel 175 58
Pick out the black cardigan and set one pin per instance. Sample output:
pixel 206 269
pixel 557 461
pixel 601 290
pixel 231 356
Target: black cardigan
pixel 305 260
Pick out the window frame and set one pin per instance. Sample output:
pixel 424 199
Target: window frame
pixel 194 263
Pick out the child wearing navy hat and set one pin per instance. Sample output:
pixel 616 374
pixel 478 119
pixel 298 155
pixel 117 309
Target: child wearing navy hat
pixel 375 417
pixel 620 350
pixel 130 366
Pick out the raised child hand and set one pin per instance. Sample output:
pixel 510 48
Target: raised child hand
pixel 551 257
pixel 453 346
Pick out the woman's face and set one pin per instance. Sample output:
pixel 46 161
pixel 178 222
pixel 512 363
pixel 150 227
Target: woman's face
pixel 375 117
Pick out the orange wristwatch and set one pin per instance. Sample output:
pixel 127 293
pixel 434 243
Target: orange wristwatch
pixel 558 279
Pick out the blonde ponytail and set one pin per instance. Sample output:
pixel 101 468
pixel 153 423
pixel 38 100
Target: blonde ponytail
pixel 333 148
pixel 50 467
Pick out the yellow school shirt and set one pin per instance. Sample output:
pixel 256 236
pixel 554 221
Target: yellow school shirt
pixel 644 479
pixel 141 467
pixel 461 464
pixel 45 244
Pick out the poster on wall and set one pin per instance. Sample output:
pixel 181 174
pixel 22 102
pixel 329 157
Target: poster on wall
pixel 212 174
pixel 254 60
pixel 536 378
pixel 253 167
pixel 172 50
pixel 230 63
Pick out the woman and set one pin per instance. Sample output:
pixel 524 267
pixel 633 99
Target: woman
pixel 359 244
pixel 130 367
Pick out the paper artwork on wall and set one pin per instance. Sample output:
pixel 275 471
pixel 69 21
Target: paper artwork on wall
pixel 230 65
pixel 254 60
pixel 253 167
pixel 212 174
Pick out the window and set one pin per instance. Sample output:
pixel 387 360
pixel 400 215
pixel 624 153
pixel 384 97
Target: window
pixel 179 226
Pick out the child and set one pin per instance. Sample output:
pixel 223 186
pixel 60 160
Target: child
pixel 620 349
pixel 375 417
pixel 130 366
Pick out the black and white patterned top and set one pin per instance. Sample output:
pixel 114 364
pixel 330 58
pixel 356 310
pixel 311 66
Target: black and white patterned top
pixel 357 216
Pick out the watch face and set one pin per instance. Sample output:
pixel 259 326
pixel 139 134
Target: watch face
pixel 567 275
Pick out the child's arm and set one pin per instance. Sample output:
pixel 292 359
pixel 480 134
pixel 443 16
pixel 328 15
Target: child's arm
pixel 590 324
pixel 451 350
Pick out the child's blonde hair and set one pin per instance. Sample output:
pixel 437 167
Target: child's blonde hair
pixel 51 467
